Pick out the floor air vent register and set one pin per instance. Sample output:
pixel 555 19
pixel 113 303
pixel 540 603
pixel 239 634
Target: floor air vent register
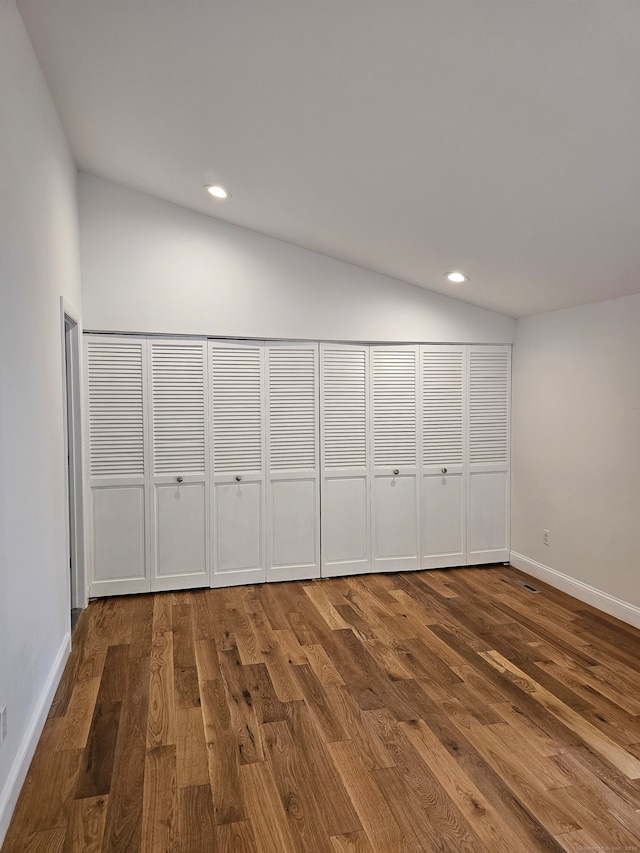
pixel 524 585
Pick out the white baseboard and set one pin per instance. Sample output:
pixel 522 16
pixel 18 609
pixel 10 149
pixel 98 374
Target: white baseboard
pixel 622 610
pixel 18 772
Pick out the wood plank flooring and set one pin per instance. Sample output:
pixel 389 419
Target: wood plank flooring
pixel 427 711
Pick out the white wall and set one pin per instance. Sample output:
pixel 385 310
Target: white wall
pixel 151 266
pixel 576 451
pixel 38 263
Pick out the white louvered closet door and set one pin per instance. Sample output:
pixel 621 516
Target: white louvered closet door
pixel 179 484
pixel 394 435
pixel 238 535
pixel 293 481
pixel 488 469
pixel 443 484
pixel 116 378
pixel 344 435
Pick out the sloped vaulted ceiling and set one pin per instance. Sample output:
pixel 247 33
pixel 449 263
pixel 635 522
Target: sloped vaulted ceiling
pixel 411 137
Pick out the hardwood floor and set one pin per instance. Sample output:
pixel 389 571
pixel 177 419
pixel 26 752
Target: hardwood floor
pixel 428 711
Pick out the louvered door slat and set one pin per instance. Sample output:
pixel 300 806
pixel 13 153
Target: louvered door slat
pixel 292 409
pixel 178 408
pixel 442 406
pixel 116 396
pixel 237 406
pixel 488 406
pixel 394 407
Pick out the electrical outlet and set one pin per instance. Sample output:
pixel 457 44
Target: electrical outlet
pixel 3 723
pixel 545 537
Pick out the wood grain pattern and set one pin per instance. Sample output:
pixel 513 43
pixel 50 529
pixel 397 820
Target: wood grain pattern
pixel 352 842
pixel 443 710
pixel 196 827
pixel 76 722
pixel 85 829
pixel 265 808
pixel 161 721
pixel 223 762
pixel 160 803
pixel 123 827
pixel 97 767
pixel 47 841
pixel 191 752
pixel 369 803
pixel 236 836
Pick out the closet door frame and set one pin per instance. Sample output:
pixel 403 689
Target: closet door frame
pixel 485 484
pixel 97 484
pixel 181 481
pixel 302 570
pixel 243 481
pixel 353 474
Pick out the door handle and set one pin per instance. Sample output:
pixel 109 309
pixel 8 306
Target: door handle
pixel 396 471
pixel 238 478
pixel 444 470
pixel 179 479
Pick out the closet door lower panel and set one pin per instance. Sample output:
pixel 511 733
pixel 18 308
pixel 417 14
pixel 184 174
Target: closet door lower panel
pixel 238 534
pixel 443 518
pixel 488 514
pixel 346 546
pixel 180 554
pixel 119 537
pixel 293 527
pixel 395 522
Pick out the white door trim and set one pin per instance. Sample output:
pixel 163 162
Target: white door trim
pixel 75 484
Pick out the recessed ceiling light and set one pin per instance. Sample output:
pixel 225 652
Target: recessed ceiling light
pixel 458 277
pixel 217 191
